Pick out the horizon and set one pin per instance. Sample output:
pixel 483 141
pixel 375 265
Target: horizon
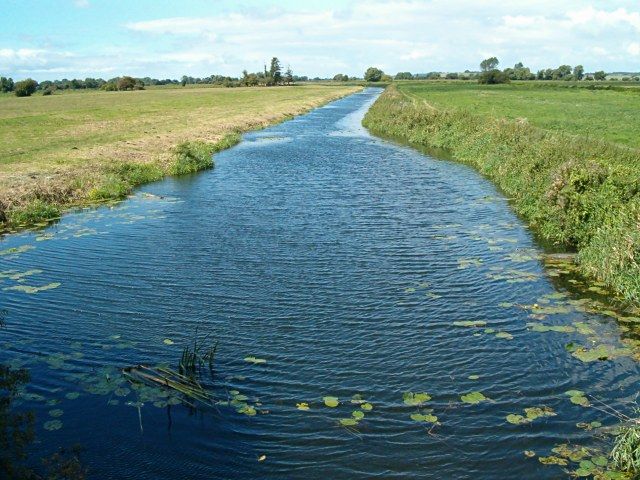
pixel 88 38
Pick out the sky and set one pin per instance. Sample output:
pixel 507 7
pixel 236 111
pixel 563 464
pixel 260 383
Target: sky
pixel 54 39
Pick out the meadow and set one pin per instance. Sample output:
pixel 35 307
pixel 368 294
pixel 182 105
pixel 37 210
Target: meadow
pixel 610 115
pixel 85 146
pixel 568 158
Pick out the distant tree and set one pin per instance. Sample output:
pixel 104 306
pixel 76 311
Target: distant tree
pixel 6 84
pixel 184 80
pixel 433 76
pixel 341 77
pixel 404 76
pixel 126 83
pixel 493 77
pixel 275 71
pixel 540 75
pixel 489 64
pixel 452 76
pixel 578 72
pixel 562 72
pixel 600 75
pixel 288 76
pixel 373 74
pixel 25 88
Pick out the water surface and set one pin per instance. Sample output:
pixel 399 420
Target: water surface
pixel 343 261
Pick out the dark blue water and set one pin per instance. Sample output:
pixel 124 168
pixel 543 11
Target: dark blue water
pixel 343 261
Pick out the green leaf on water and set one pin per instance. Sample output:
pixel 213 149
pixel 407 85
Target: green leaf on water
pixel 56 413
pixel 427 418
pixel 72 395
pixel 357 414
pixel 505 335
pixel 517 419
pixel 167 341
pixel 29 289
pixel 473 377
pixel 52 425
pixel 600 460
pixel 367 407
pixel 247 410
pixel 331 402
pixel 473 398
pixel 470 323
pixel 415 399
pixel 254 360
pixel 348 422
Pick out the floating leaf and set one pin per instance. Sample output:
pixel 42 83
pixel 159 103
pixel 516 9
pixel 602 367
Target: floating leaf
pixel 553 460
pixel 16 250
pixel 505 335
pixel 529 453
pixel 247 410
pixel 357 414
pixel 473 398
pixel 302 406
pixel 262 458
pixel 415 399
pixel 367 407
pixel 168 341
pixel 52 425
pixel 56 413
pixel 348 422
pixel 517 419
pixel 473 377
pixel 72 395
pixel 29 289
pixel 254 360
pixel 470 323
pixel 428 418
pixel 331 402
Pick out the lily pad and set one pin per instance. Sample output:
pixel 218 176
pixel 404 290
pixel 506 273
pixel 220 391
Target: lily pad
pixel 367 407
pixel 302 406
pixel 505 335
pixel 254 360
pixel 348 422
pixel 168 341
pixel 428 418
pixel 470 323
pixel 56 413
pixel 30 289
pixel 473 398
pixel 415 399
pixel 331 402
pixel 357 414
pixel 53 425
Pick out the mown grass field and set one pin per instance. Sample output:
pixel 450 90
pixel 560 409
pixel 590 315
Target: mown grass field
pixel 572 169
pixel 603 114
pixel 81 146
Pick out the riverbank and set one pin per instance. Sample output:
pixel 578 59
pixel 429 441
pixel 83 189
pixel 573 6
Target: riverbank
pixel 581 193
pixel 80 148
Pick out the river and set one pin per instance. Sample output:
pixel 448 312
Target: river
pixel 326 263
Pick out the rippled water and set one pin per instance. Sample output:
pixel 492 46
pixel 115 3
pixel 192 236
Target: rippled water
pixel 342 260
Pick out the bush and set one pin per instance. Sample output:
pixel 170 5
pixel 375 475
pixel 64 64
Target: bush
pixel 25 88
pixel 194 156
pixel 34 212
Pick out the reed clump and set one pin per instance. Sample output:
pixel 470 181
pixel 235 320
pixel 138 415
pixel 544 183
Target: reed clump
pixel 577 192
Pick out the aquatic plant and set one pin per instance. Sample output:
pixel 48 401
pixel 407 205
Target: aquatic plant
pixel 626 449
pixel 195 357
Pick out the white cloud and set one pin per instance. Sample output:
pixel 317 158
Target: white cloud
pixel 634 49
pixel 397 35
pixel 81 3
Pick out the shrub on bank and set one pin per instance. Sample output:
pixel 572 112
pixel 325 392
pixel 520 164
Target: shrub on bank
pixel 580 193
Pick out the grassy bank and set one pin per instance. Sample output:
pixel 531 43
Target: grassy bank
pixel 580 191
pixel 84 147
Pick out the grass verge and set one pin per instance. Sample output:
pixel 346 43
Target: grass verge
pixel 578 192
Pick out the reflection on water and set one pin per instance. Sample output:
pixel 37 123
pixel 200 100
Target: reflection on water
pixel 378 313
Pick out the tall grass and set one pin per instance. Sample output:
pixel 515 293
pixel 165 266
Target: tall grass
pixel 581 193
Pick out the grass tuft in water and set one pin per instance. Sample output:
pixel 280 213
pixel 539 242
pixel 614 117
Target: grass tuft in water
pixel 626 450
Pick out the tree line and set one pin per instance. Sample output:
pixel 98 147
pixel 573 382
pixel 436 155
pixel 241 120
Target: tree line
pixel 272 76
pixel 489 73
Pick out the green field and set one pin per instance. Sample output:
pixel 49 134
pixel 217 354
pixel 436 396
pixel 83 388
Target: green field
pixel 602 114
pixel 73 147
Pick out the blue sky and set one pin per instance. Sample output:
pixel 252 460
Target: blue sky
pixel 47 39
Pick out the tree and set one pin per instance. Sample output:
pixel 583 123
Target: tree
pixel 275 71
pixel 126 83
pixel 562 72
pixel 492 77
pixel 404 76
pixel 600 75
pixel 452 76
pixel 373 74
pixel 489 64
pixel 578 72
pixel 339 77
pixel 25 88
pixel 288 76
pixel 6 84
